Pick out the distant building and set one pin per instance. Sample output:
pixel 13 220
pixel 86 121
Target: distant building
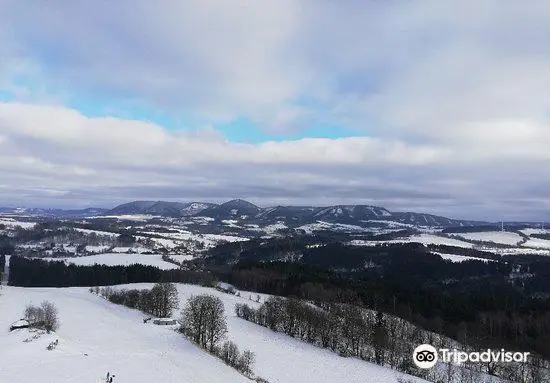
pixel 226 288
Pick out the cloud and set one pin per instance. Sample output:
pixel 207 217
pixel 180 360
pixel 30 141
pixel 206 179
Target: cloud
pixel 56 156
pixel 452 98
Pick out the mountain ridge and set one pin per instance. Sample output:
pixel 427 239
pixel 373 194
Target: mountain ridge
pixel 240 209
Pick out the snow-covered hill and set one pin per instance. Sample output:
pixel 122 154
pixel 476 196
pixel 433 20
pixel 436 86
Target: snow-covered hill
pixel 96 336
pixel 117 259
pixel 501 237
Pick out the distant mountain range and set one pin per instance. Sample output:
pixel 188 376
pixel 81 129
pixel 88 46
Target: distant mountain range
pixel 242 210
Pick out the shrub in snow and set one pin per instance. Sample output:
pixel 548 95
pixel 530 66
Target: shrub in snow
pixel 44 317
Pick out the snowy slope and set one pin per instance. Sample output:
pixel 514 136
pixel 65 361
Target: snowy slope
pixel 459 258
pixel 502 237
pixel 425 239
pixel 117 259
pixel 115 339
pixel 537 243
pixel 322 225
pixel 282 359
pixel 97 232
pixel 208 240
pixel 10 222
pixel 530 231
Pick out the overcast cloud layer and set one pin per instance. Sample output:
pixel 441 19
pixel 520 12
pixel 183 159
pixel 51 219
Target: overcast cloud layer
pixel 450 102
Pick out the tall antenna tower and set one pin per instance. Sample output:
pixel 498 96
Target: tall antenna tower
pixel 502 226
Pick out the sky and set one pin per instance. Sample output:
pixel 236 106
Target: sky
pixel 435 106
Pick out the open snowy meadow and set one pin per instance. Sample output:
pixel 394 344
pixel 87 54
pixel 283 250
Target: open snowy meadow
pixel 96 337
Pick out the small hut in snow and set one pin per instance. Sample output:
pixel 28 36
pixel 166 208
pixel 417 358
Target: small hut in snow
pixel 21 323
pixel 164 321
pixel 226 288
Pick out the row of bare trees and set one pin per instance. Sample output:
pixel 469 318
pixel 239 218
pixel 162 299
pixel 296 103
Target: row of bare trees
pixel 379 338
pixel 160 301
pixel 203 321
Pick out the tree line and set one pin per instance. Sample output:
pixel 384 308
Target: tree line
pixel 203 321
pixel 473 301
pixel 160 301
pixel 34 272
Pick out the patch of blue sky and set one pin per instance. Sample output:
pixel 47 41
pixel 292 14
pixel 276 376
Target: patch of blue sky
pixel 244 131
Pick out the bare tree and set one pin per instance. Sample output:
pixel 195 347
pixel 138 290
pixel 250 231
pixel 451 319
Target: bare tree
pixel 44 317
pixel 33 315
pixel 229 353
pixel 203 320
pixel 51 320
pixel 165 299
pixel 245 362
pixel 216 326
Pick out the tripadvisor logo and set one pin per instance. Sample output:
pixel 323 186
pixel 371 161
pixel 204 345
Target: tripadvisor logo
pixel 426 356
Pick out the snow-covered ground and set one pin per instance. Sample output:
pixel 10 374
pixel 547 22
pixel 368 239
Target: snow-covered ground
pixel 115 259
pixel 530 231
pixel 129 217
pixel 10 222
pixel 273 228
pixel 181 257
pixel 537 243
pixel 96 249
pixel 201 220
pixel 322 225
pixel 96 336
pixel 224 238
pixel 231 223
pixel 517 251
pixel 502 237
pixel 97 232
pixel 459 258
pixel 208 240
pixel 532 246
pixel 425 239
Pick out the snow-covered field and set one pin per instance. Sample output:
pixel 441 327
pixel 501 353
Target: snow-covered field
pixel 273 228
pixel 224 238
pixel 97 232
pixel 425 239
pixel 322 225
pixel 533 246
pixel 96 336
pixel 537 243
pixel 459 258
pixel 181 257
pixel 502 237
pixel 530 231
pixel 231 223
pixel 208 240
pixel 114 259
pixel 10 222
pixel 129 217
